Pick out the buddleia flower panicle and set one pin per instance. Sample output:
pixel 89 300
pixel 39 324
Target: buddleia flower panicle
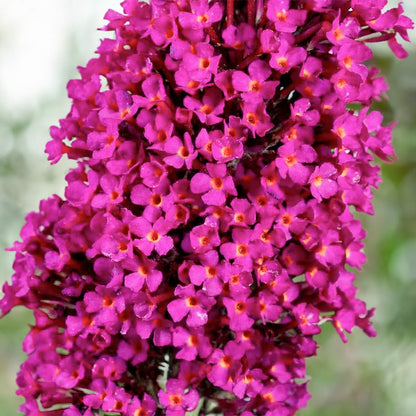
pixel 221 148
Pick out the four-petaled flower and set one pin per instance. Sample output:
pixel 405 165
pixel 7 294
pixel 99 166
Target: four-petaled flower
pixel 216 185
pixel 178 399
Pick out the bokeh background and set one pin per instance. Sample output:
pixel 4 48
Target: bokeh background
pixel 42 42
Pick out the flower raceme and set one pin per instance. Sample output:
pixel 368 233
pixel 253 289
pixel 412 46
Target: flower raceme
pixel 205 231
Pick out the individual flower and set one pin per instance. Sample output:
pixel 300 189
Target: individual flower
pixel 291 162
pixel 193 343
pixel 182 152
pixel 215 185
pixel 322 181
pixel 284 18
pixel 209 109
pixel 153 236
pixel 175 400
pixel 255 117
pixel 191 304
pixel 255 83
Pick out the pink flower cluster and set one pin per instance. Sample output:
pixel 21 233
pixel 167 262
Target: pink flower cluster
pixel 205 232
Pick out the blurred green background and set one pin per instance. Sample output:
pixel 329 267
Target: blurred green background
pixel 42 42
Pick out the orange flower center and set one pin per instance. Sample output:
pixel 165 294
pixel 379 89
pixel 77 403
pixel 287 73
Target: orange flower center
pixel 303 320
pixel 322 250
pixel 288 260
pixel 293 134
pixel 204 240
pixel 268 397
pixel 206 109
pixel 341 132
pixel 262 200
pixel 217 183
pixel 265 236
pixel 282 61
pixel 348 62
pixel 226 151
pixel 271 179
pixel 240 307
pixel 140 412
pixel 252 118
pixel 193 341
pixel 308 92
pixel 211 271
pixel 338 35
pixel 183 152
pixel 110 140
pixel 239 217
pixel 156 200
pixel 281 15
pixel 291 160
pixel 175 399
pixel 87 320
pixel 193 84
pixel 226 361
pixel 241 250
pixel 262 269
pixel 191 302
pixel 153 236
pixel 107 302
pixel 161 136
pixel 204 63
pixel 122 247
pixel 180 214
pixel 114 195
pixel 341 83
pixel 306 74
pixel 286 219
pixel 248 378
pixel 246 335
pixel 317 180
pixel 158 172
pixel 203 18
pixel 235 279
pixel 169 33
pixel 254 86
pixel 124 113
pixel 232 133
pixel 143 270
pixel 118 405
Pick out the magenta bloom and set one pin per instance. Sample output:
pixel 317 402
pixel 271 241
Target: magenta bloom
pixel 215 185
pixel 175 400
pixel 322 182
pixel 209 108
pixel 237 310
pixel 294 161
pixel 182 152
pixel 153 236
pixel 206 227
pixel 193 305
pixel 254 84
pixel 284 18
pixel 255 117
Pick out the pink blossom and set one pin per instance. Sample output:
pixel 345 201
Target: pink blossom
pixel 215 185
